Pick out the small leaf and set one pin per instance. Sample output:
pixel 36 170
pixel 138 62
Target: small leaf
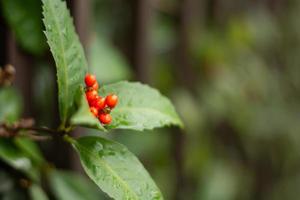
pixel 10 105
pixel 68 185
pixel 140 107
pixel 37 193
pixel 24 19
pixel 16 158
pixel 83 116
pixel 68 54
pixel 30 149
pixel 115 169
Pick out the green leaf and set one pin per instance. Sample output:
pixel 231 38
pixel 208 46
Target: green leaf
pixel 16 158
pixel 24 19
pixel 140 107
pixel 68 54
pixel 37 193
pixel 10 105
pixel 115 169
pixel 14 194
pixel 106 62
pixel 30 149
pixel 83 116
pixel 68 185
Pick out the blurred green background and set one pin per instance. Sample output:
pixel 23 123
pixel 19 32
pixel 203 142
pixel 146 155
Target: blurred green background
pixel 231 67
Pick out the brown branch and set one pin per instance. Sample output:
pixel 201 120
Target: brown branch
pixel 7 75
pixel 35 137
pixel 45 129
pixel 18 128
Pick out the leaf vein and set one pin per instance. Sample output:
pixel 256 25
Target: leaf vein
pixel 93 155
pixel 60 44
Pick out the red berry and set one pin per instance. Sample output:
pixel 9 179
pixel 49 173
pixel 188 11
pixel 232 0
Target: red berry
pixel 99 103
pixel 111 100
pixel 105 118
pixel 94 111
pixel 90 80
pixel 95 86
pixel 91 95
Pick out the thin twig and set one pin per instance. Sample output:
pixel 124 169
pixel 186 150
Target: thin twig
pixel 45 129
pixel 15 129
pixel 39 137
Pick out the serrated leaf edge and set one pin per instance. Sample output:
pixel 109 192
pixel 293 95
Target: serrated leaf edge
pixel 63 52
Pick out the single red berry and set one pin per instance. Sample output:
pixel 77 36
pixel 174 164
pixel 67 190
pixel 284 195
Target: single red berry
pixel 105 118
pixel 111 100
pixel 94 111
pixel 91 95
pixel 95 86
pixel 99 103
pixel 90 80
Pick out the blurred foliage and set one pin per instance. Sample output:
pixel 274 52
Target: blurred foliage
pixel 37 193
pixel 68 185
pixel 106 62
pixel 10 105
pixel 42 96
pixel 20 153
pixel 18 159
pixel 24 18
pixel 242 123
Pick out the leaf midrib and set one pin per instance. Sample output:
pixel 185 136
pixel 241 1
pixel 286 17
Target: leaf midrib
pixel 127 108
pixel 104 164
pixel 64 61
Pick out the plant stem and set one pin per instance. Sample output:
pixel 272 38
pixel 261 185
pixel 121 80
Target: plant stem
pixel 32 132
pixel 69 139
pixel 43 129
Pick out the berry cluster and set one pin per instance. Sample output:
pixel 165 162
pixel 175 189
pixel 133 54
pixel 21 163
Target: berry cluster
pixel 100 107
